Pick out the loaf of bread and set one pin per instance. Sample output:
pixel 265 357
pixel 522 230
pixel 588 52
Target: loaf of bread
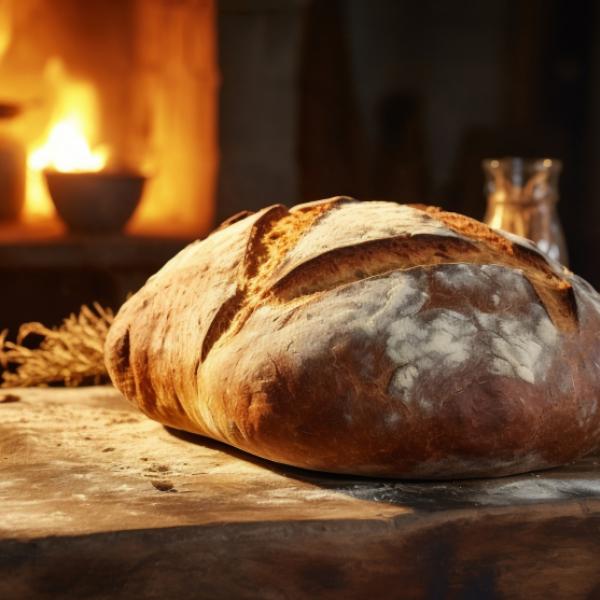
pixel 369 338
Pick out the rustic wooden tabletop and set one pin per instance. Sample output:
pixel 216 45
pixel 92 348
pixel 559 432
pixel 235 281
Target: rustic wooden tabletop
pixel 98 501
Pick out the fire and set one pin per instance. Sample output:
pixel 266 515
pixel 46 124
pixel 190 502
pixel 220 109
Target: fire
pixel 66 145
pixel 67 150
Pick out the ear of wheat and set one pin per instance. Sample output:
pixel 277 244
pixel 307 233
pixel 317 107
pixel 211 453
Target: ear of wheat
pixel 72 353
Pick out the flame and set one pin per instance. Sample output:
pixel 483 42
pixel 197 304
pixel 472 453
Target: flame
pixel 65 146
pixel 67 149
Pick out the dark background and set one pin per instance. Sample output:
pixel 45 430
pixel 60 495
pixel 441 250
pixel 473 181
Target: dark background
pixel 401 100
pixel 377 99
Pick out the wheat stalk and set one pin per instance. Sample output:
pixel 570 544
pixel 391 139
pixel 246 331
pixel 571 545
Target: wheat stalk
pixel 69 354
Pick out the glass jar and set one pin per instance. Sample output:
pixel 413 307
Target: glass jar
pixel 521 199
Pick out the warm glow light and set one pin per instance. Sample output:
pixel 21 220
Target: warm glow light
pixel 66 144
pixel 67 150
pixel 5 26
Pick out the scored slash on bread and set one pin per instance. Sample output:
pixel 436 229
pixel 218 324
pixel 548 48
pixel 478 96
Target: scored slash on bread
pixel 367 337
pixel 266 273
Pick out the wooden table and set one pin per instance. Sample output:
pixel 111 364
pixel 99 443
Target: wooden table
pixel 99 502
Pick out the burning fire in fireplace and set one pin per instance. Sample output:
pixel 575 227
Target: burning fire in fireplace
pixel 116 87
pixel 65 147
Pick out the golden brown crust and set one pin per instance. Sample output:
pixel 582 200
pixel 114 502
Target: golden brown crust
pixel 367 338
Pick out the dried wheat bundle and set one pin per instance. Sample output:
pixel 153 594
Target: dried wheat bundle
pixel 69 354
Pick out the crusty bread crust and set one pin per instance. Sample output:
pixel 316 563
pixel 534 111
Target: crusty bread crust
pixel 369 338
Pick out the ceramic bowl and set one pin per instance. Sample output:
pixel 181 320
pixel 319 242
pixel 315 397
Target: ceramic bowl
pixel 95 203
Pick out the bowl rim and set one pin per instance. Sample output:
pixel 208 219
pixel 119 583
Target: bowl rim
pixel 95 175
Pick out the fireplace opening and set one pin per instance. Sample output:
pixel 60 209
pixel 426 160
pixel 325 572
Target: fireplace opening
pixel 113 87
